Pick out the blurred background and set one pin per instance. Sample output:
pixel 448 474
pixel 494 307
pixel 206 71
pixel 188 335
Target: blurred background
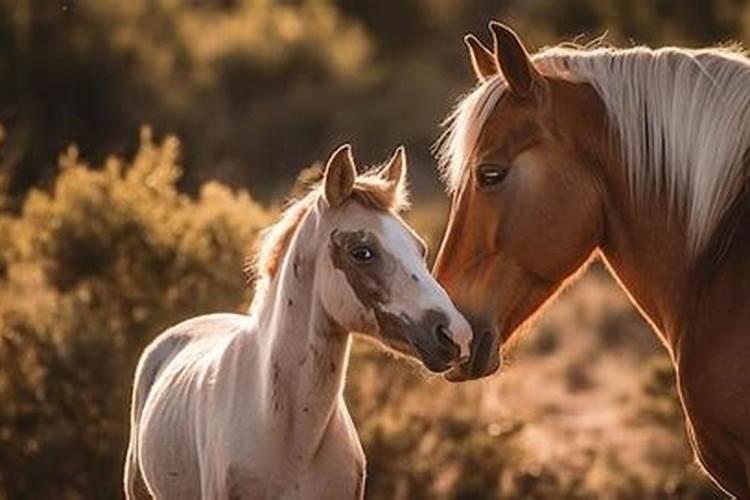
pixel 143 145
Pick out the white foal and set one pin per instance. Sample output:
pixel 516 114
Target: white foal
pixel 228 406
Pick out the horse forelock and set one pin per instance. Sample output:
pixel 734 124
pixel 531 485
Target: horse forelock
pixel 462 128
pixel 681 118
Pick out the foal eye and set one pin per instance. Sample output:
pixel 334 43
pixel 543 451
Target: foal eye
pixel 361 253
pixel 491 175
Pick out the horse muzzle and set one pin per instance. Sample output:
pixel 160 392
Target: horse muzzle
pixel 437 348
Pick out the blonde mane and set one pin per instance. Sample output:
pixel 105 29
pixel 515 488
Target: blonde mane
pixel 681 118
pixel 370 189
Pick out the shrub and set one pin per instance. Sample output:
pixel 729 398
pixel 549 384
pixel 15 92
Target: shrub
pixel 93 270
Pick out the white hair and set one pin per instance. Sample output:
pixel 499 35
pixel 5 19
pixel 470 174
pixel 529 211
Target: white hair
pixel 680 116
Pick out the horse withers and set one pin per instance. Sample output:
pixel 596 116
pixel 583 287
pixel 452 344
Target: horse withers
pixel 230 406
pixel 639 156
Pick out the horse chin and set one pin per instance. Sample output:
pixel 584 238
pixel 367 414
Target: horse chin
pixel 429 360
pixel 414 351
pixel 401 348
pixel 465 372
pixel 483 361
pixel 460 373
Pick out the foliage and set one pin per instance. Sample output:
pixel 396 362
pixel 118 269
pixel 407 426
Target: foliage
pixel 416 447
pixel 95 261
pixel 91 71
pixel 93 270
pixel 259 86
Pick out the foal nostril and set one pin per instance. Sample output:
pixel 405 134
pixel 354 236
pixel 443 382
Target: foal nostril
pixel 442 335
pixel 448 348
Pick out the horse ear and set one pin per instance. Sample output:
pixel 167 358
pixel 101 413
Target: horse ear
pixel 514 61
pixel 395 170
pixel 482 59
pixel 339 176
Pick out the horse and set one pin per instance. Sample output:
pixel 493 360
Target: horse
pixel 250 405
pixel 637 156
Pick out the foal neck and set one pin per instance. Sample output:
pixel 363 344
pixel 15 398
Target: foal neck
pixel 306 351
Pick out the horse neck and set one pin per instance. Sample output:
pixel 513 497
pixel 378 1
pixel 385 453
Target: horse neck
pixel 687 298
pixel 646 243
pixel 306 352
pixel 643 244
pixel 646 248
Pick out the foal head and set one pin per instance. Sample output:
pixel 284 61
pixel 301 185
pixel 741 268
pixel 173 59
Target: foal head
pixel 526 208
pixel 370 266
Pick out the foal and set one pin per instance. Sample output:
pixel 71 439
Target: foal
pixel 251 406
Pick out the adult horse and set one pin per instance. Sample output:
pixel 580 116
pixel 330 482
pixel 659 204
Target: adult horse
pixel 230 406
pixel 639 156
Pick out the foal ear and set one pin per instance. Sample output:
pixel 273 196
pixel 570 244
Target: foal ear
pixel 339 177
pixel 482 59
pixel 395 170
pixel 514 61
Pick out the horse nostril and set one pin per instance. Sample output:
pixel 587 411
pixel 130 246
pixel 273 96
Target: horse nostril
pixel 448 347
pixel 441 332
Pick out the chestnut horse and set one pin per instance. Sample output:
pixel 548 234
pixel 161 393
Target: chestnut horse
pixel 639 156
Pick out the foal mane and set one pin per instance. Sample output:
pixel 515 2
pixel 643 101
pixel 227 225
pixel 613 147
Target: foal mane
pixel 370 189
pixel 680 118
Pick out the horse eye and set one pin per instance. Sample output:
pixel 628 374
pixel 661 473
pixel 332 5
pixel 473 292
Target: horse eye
pixel 361 253
pixel 491 175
